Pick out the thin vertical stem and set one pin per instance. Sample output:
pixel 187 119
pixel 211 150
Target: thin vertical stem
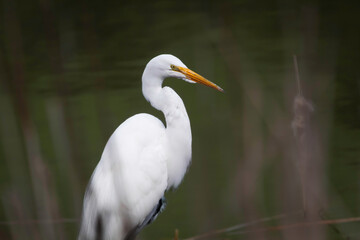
pixel 297 75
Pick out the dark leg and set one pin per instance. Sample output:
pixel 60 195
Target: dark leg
pixel 149 219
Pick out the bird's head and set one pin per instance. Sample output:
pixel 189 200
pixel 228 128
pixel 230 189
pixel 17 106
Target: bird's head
pixel 166 65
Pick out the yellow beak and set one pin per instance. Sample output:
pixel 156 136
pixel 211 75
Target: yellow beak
pixel 191 75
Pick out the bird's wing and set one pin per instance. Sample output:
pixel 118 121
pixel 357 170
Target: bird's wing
pixel 135 155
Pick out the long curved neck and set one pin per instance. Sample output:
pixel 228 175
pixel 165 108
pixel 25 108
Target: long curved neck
pixel 178 130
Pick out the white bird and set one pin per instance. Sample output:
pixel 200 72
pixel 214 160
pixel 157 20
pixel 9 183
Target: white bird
pixel 142 159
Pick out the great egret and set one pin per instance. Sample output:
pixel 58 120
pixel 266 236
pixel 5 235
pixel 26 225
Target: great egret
pixel 142 159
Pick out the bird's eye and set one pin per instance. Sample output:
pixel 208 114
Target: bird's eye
pixel 173 67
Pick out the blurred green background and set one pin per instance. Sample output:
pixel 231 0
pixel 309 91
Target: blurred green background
pixel 70 73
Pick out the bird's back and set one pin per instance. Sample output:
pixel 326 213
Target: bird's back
pixel 131 178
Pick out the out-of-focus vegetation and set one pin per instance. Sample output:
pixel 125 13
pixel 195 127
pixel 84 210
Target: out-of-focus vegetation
pixel 70 73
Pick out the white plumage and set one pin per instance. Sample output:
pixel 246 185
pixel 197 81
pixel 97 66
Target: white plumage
pixel 141 160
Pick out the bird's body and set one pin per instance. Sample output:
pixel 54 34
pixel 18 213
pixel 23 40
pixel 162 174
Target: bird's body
pixel 141 160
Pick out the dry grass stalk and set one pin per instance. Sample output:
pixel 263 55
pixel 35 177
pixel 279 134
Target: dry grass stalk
pixel 302 110
pixel 243 225
pixel 234 230
pixel 176 236
pixel 304 225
